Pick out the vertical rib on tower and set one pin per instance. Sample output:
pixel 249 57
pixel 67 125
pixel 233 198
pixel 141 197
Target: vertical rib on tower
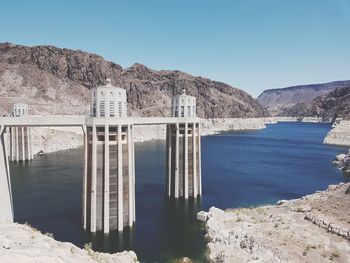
pixel 183 150
pixel 20 137
pixel 109 180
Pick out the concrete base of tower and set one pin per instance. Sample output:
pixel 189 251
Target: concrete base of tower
pixel 109 178
pixel 183 144
pixel 20 143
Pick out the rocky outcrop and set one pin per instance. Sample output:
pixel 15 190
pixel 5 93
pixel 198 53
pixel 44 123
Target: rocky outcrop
pixel 340 134
pixel 278 100
pixel 329 226
pixel 342 161
pixel 22 243
pixel 331 106
pixel 314 228
pixel 57 81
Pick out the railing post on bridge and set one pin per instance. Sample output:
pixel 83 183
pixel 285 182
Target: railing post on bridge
pixel 183 150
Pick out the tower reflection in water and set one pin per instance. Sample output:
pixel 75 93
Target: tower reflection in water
pixel 175 228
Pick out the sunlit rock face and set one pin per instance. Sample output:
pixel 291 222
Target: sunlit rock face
pixel 55 80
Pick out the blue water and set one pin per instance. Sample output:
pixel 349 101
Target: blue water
pixel 286 160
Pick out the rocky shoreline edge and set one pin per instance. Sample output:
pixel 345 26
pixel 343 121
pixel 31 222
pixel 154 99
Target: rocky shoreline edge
pixel 343 162
pixel 23 243
pixel 340 134
pixel 313 228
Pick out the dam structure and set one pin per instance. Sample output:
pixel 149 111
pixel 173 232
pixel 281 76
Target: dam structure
pixel 108 196
pixel 20 137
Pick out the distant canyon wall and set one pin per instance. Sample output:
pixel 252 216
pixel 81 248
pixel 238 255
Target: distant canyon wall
pixel 332 106
pixel 286 101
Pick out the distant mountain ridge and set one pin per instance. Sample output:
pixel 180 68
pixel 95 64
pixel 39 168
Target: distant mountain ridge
pixel 316 87
pixel 335 104
pixel 57 81
pixel 278 100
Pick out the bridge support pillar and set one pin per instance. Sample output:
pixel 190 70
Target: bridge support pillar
pixel 6 205
pixel 109 178
pixel 21 143
pixel 183 160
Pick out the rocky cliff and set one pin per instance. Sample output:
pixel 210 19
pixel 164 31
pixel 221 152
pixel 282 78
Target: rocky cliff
pixel 57 81
pixel 335 104
pixel 343 162
pixel 277 100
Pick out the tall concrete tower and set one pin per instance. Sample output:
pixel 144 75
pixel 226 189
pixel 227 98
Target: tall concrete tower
pixel 109 179
pixel 183 150
pixel 20 137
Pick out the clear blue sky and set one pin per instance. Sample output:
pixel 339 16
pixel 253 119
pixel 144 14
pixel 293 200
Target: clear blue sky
pixel 250 44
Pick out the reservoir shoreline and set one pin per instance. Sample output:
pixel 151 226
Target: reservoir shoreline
pixel 47 140
pixel 307 229
pixel 238 126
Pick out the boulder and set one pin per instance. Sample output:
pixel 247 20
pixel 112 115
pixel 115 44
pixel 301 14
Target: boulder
pixel 302 208
pixel 282 202
pixel 202 216
pixel 340 157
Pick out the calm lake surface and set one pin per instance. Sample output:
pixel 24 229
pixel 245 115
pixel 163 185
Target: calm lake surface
pixel 286 160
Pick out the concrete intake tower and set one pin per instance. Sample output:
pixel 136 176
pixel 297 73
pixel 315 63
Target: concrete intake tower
pixel 109 178
pixel 184 150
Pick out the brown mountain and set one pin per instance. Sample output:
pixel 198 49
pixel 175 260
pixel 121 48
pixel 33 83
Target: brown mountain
pixel 330 106
pixel 279 100
pixel 55 80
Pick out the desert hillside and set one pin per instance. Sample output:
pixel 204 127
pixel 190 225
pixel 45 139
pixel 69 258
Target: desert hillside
pixel 57 81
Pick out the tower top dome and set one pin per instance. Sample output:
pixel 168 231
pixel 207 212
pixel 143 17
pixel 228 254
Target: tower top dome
pixel 108 101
